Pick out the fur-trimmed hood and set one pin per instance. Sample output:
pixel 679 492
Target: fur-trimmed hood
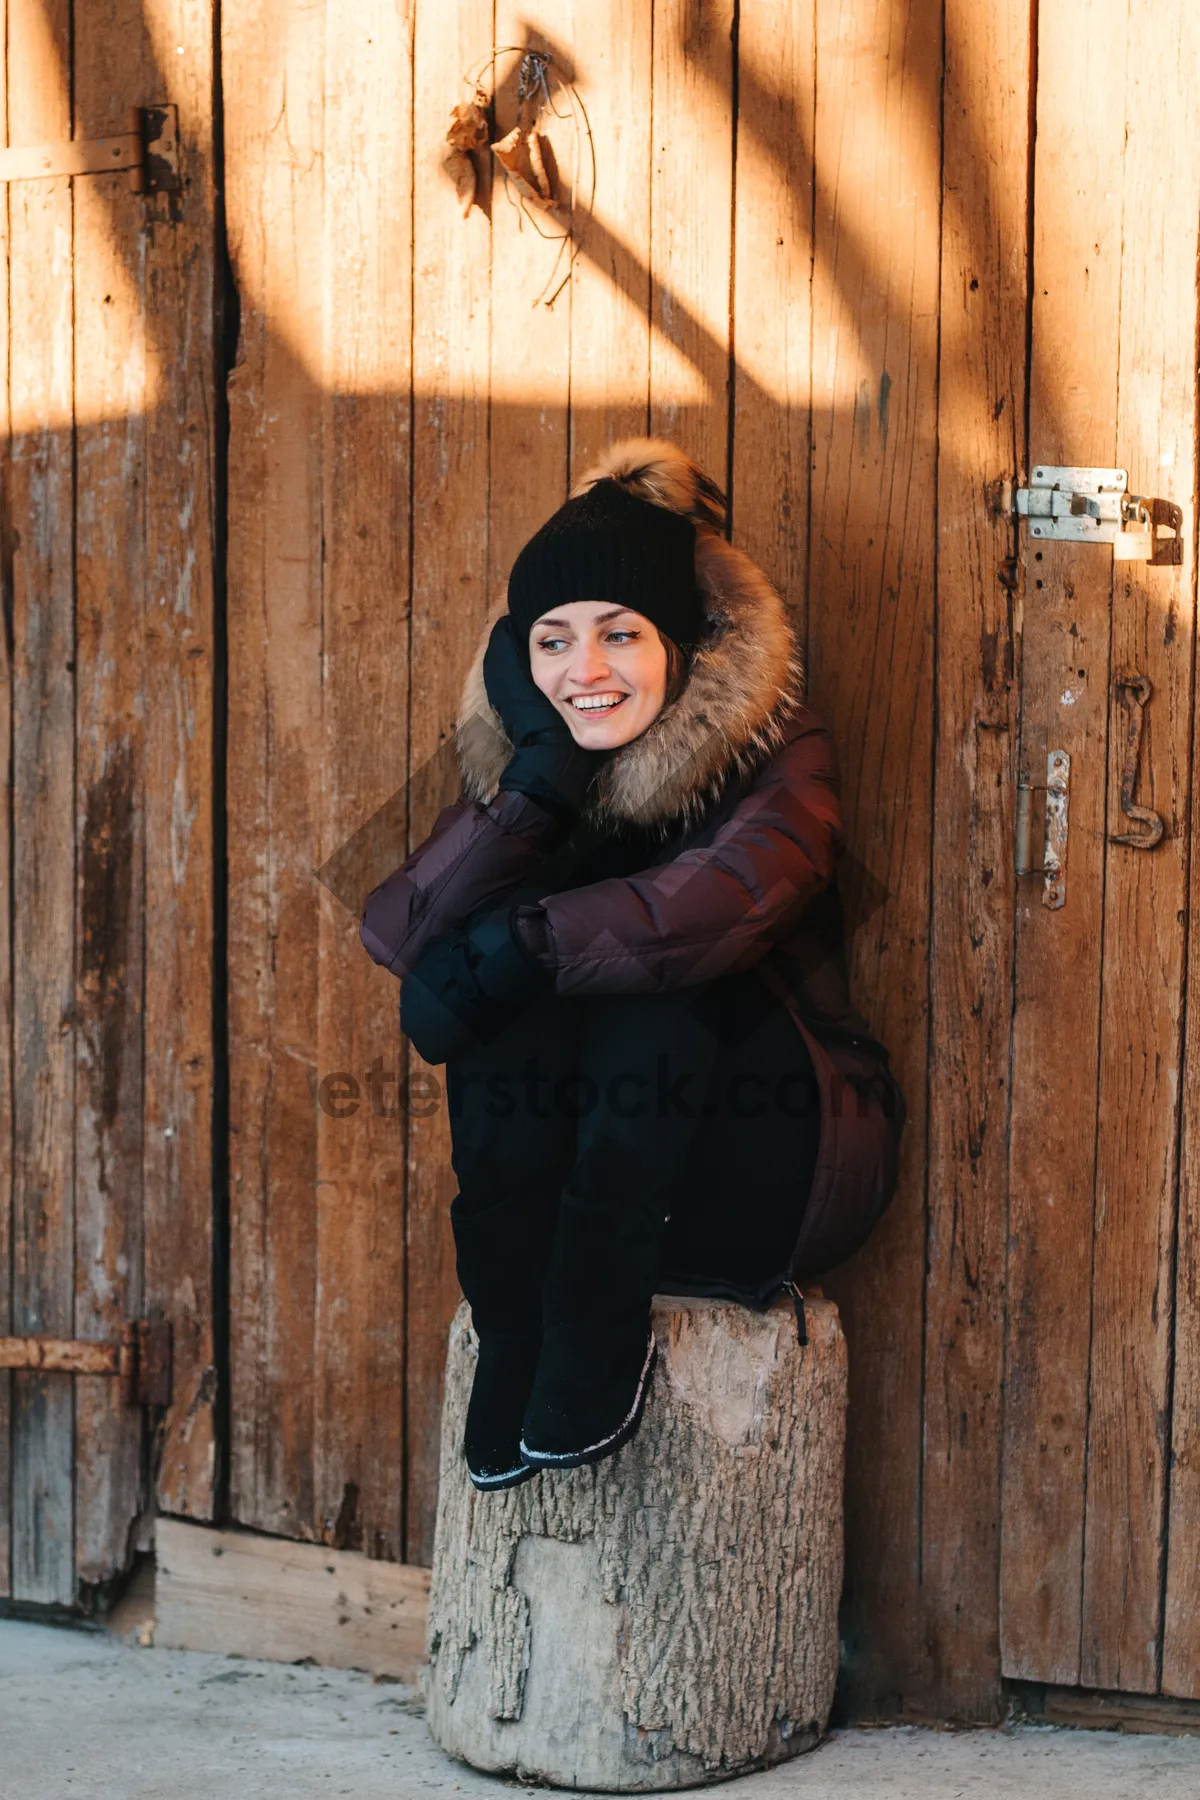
pixel 744 682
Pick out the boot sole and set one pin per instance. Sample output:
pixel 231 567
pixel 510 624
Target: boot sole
pixel 510 1478
pixel 578 1459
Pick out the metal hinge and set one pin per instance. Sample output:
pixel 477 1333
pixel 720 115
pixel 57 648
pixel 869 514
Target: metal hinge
pixel 148 149
pixel 1091 506
pixel 1057 789
pixel 140 1359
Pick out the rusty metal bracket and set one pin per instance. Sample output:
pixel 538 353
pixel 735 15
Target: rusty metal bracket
pixel 140 1359
pixel 1139 690
pixel 1057 789
pixel 148 150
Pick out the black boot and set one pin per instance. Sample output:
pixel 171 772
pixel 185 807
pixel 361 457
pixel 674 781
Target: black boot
pixel 502 1254
pixel 598 1349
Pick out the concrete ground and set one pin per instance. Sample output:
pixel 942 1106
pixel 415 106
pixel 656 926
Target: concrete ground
pixel 84 1716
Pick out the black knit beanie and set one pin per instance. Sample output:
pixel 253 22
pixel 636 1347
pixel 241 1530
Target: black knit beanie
pixel 608 544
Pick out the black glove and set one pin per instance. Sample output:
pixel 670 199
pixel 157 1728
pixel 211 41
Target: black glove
pixel 467 985
pixel 547 764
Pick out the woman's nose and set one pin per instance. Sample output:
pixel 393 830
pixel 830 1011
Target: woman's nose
pixel 591 664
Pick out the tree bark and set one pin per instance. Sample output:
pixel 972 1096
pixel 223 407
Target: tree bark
pixel 669 1616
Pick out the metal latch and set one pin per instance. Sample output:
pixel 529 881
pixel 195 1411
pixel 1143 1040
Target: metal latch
pixel 148 149
pixel 140 1359
pixel 1091 506
pixel 1056 788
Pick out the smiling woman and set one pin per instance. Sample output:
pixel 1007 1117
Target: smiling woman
pixel 625 943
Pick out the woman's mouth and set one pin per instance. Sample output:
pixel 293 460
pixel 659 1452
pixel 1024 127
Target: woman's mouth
pixel 596 703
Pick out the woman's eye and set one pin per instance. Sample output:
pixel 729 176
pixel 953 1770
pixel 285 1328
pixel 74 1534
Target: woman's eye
pixel 622 635
pixel 553 643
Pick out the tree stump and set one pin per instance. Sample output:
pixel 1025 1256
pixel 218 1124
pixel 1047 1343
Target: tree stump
pixel 669 1616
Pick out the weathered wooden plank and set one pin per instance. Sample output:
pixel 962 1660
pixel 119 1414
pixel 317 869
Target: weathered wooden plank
pixel 180 518
pixel 772 293
pixel 981 437
pixel 1181 1621
pixel 7 677
pixel 610 299
pixel 114 69
pixel 1073 396
pixel 367 273
pixel 1145 895
pixel 871 616
pixel 530 340
pixel 238 1594
pixel 691 208
pixel 273 63
pixel 451 338
pixel 43 874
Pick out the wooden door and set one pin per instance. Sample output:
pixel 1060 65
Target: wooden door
pixel 107 1074
pixel 1098 1546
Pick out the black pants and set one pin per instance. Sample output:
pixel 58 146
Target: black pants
pixel 703 1099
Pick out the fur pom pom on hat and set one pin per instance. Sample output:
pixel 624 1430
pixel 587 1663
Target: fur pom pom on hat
pixel 623 537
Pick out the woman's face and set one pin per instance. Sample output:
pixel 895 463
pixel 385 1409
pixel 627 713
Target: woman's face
pixel 604 667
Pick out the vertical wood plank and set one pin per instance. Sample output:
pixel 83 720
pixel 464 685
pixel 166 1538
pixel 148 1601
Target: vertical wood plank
pixel 772 308
pixel 1144 894
pixel 981 437
pixel 180 505
pixel 691 202
pixel 114 69
pixel 7 677
pixel 367 274
pixel 273 61
pixel 530 341
pixel 610 299
pixel 1158 410
pixel 40 362
pixel 451 338
pixel 1078 184
pixel 871 618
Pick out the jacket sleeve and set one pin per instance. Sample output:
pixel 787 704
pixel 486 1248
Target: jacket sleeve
pixel 714 908
pixel 473 854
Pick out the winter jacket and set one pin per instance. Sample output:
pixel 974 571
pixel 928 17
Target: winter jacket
pixel 709 845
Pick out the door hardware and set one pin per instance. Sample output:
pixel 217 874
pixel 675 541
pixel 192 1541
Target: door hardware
pixel 1139 690
pixel 1091 506
pixel 140 1359
pixel 148 149
pixel 1056 788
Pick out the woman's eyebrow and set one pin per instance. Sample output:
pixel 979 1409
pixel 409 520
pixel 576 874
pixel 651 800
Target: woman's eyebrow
pixel 600 619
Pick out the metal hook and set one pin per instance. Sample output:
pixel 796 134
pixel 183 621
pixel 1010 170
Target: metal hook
pixel 1139 690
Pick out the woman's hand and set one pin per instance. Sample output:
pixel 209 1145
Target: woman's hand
pixel 547 764
pixel 468 984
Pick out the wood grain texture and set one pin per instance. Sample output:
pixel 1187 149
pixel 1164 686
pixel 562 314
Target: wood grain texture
pixel 1078 182
pixel 237 1594
pixel 691 221
pixel 1181 1620
pixel 570 1644
pixel 610 287
pixel 114 68
pixel 451 357
pixel 871 618
pixel 981 437
pixel 772 294
pixel 273 58
pixel 43 874
pixel 180 522
pixel 1145 894
pixel 360 1253
pixel 7 1068
pixel 530 340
